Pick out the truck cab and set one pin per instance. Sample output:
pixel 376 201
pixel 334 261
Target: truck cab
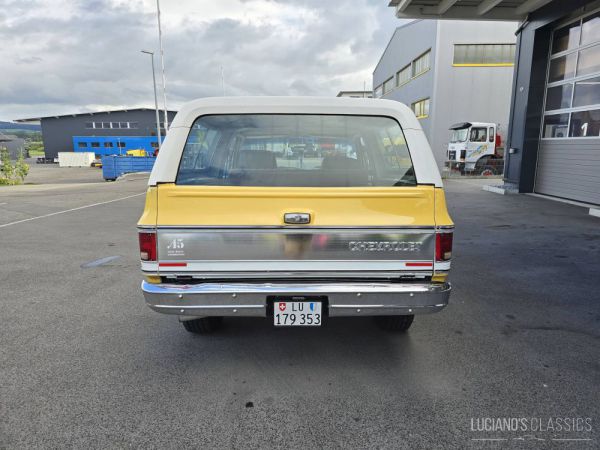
pixel 354 225
pixel 475 147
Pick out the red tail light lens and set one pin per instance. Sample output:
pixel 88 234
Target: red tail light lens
pixel 147 246
pixel 443 246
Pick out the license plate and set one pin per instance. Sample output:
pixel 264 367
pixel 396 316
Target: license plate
pixel 297 314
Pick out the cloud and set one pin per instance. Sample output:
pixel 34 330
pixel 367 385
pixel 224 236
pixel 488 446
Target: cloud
pixel 73 56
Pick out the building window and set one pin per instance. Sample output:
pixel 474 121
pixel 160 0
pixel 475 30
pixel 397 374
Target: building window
pixel 421 108
pixel 585 123
pixel 95 144
pixel 403 76
pixel 121 144
pixel 421 64
pixel 590 30
pixel 388 85
pixel 82 144
pixel 89 125
pixel 115 124
pixel 572 103
pixel 133 124
pixel 490 55
pixel 108 144
pixel 105 124
pixel 378 92
pixel 124 124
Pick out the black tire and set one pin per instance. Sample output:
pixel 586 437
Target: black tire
pixel 205 325
pixel 395 323
pixel 488 171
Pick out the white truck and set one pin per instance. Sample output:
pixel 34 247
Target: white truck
pixel 475 148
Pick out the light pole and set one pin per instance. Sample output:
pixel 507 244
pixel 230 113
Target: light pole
pixel 147 52
pixel 162 65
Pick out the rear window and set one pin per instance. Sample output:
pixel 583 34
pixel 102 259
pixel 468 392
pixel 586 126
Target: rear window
pixel 296 151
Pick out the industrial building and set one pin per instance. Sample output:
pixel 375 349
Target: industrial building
pixel 448 72
pixel 554 123
pixel 14 144
pixel 355 94
pixel 104 133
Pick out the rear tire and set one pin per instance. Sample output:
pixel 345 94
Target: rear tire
pixel 488 171
pixel 205 325
pixel 395 323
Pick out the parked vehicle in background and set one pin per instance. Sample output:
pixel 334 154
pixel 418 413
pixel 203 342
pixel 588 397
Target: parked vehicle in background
pixel 475 148
pixel 234 227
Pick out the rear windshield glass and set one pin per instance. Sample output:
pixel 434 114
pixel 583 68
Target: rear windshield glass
pixel 295 150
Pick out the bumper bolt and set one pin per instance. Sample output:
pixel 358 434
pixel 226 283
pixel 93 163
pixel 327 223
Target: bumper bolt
pixel 412 294
pixel 180 296
pixel 234 295
pixel 358 310
pixel 358 294
pixel 235 310
pixel 182 311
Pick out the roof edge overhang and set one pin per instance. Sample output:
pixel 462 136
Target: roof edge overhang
pixel 475 10
pixel 91 113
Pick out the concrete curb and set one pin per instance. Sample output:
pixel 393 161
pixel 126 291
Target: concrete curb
pixel 499 189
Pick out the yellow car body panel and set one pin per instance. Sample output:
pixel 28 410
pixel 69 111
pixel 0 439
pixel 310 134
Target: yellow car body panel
pixel 264 206
pixel 232 206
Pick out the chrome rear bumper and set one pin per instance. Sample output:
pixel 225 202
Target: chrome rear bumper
pixel 343 299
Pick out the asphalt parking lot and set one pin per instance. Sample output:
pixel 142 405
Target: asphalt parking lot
pixel 84 363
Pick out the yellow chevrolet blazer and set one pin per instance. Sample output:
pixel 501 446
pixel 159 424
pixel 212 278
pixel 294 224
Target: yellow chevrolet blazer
pixel 300 210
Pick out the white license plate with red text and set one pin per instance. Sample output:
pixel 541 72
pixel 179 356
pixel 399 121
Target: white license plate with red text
pixel 297 314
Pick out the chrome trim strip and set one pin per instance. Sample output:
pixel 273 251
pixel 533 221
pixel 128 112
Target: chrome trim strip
pixel 210 307
pixel 268 266
pixel 147 228
pixel 291 274
pixel 273 249
pixel 294 227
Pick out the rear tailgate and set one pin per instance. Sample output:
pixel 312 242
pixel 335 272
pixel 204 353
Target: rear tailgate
pixel 225 232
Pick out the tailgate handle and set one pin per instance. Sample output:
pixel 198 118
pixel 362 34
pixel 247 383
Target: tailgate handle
pixel 296 218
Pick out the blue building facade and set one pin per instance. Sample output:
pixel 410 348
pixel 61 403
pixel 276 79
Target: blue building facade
pixel 104 132
pixel 114 145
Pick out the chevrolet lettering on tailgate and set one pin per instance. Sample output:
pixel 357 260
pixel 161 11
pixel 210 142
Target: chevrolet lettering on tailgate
pixel 299 210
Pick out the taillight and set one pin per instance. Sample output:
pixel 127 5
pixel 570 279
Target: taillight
pixel 443 246
pixel 147 246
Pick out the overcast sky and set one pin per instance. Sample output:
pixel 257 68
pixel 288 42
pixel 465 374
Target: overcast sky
pixel 66 56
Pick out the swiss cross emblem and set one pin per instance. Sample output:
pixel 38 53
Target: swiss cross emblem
pixel 282 306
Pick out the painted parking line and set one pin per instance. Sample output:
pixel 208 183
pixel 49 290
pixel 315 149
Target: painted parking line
pixel 71 210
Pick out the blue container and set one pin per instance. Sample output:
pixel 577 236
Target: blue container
pixel 115 166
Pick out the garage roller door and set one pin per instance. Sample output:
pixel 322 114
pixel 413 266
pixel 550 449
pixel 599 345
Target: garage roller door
pixel 569 168
pixel 568 163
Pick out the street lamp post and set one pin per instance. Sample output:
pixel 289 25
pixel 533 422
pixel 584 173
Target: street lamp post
pixel 155 99
pixel 162 65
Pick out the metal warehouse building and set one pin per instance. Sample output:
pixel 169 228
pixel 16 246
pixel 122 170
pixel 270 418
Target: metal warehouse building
pixel 15 145
pixel 448 72
pixel 554 123
pixel 104 133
